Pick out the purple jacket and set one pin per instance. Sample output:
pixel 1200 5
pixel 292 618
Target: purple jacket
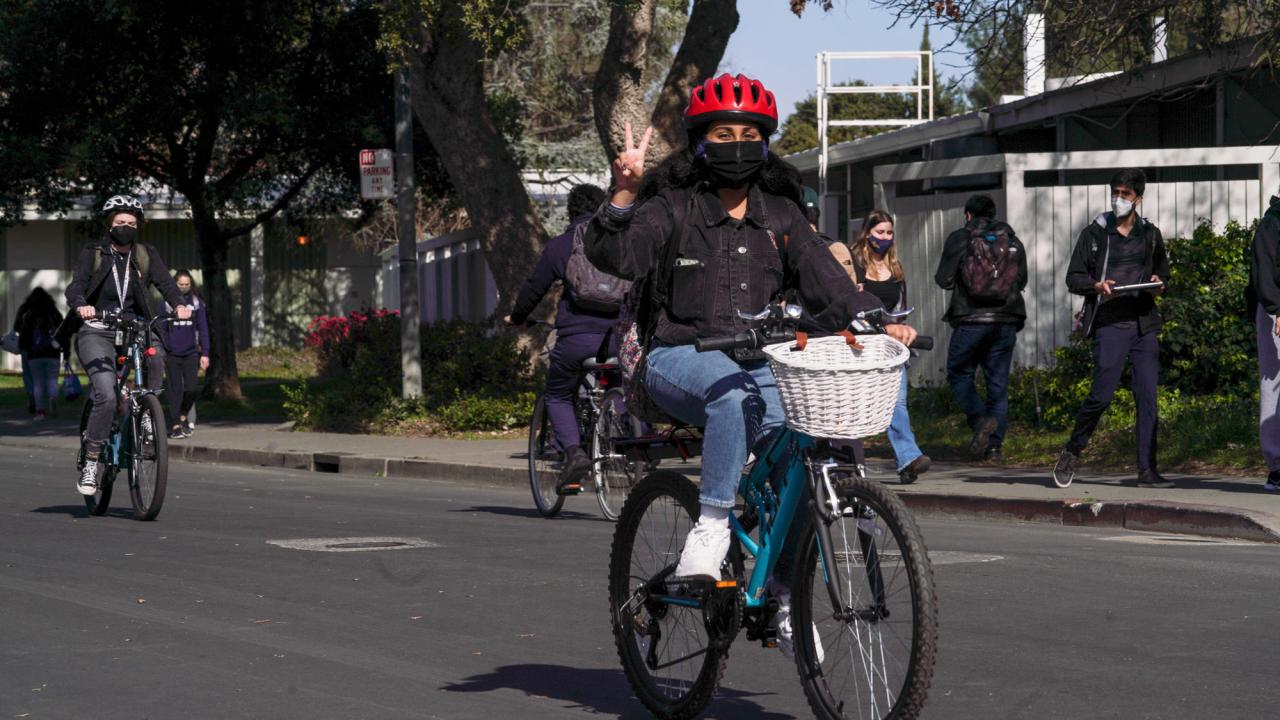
pixel 570 319
pixel 180 338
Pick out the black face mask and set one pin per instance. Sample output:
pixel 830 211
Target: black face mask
pixel 733 164
pixel 124 235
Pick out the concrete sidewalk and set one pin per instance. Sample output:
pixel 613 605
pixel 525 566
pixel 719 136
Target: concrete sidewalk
pixel 1200 505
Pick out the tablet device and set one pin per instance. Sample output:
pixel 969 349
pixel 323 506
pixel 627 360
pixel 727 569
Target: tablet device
pixel 1136 286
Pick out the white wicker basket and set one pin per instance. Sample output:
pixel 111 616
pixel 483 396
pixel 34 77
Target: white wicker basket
pixel 830 390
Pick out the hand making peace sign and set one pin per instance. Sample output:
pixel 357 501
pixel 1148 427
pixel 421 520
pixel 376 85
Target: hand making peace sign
pixel 628 168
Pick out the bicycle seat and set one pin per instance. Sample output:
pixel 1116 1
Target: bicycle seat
pixel 592 365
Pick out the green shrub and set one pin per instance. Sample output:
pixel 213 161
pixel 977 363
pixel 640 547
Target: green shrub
pixel 484 413
pixel 473 378
pixel 277 362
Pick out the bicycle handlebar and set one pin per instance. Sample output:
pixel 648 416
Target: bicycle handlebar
pixel 779 325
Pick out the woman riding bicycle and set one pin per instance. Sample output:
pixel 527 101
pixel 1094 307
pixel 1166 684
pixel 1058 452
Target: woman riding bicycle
pixel 112 275
pixel 732 209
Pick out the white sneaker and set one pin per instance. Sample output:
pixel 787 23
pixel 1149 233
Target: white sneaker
pixel 704 550
pixel 782 623
pixel 88 484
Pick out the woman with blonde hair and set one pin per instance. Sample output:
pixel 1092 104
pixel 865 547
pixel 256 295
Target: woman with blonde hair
pixel 877 271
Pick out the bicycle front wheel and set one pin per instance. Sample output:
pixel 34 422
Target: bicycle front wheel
pixel 865 645
pixel 98 502
pixel 148 459
pixel 543 459
pixel 666 651
pixel 613 473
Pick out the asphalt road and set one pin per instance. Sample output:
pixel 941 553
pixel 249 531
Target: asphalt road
pixel 503 614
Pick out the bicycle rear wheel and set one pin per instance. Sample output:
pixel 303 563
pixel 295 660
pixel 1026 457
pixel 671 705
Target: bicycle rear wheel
pixel 98 502
pixel 665 649
pixel 543 460
pixel 613 473
pixel 148 459
pixel 872 655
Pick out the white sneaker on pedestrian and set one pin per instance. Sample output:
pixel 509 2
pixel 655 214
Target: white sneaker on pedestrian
pixel 88 484
pixel 704 550
pixel 784 633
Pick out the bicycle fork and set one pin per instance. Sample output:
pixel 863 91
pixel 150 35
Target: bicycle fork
pixel 826 509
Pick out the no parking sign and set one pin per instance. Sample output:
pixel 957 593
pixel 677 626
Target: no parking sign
pixel 376 168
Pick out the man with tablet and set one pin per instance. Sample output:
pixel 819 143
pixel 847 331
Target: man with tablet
pixel 1119 265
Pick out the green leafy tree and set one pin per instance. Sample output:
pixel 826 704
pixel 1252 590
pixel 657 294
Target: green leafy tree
pixel 247 109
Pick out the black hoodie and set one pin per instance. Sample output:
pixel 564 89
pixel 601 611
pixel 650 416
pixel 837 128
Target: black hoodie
pixel 1264 271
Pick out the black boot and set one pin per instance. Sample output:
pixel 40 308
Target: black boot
pixel 576 466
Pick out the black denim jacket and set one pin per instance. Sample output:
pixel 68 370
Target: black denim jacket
pixel 724 266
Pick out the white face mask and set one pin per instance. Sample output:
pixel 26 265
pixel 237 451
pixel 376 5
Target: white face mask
pixel 1121 207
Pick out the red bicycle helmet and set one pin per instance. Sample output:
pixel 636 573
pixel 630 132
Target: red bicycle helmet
pixel 732 98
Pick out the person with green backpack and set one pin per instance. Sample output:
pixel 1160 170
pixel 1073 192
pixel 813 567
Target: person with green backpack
pixel 113 274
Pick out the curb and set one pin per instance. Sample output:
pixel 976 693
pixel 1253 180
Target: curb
pixel 1146 515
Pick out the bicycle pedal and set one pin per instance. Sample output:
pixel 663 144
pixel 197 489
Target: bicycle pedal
pixel 568 490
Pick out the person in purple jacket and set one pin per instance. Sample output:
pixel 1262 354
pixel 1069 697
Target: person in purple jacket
pixel 186 353
pixel 579 335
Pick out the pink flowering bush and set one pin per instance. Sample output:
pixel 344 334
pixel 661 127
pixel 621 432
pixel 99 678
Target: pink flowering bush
pixel 473 378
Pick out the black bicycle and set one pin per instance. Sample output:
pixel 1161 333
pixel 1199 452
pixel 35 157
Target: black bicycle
pixel 602 417
pixel 137 443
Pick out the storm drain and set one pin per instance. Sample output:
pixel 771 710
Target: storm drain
pixel 354 544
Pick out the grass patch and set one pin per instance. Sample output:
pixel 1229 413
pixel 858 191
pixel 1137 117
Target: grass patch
pixel 1196 434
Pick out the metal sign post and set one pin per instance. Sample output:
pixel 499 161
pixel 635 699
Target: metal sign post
pixel 407 234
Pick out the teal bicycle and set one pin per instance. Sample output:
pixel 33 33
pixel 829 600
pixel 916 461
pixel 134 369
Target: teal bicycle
pixel 137 443
pixel 863 606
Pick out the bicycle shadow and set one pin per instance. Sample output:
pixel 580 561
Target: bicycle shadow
pixel 600 691
pixel 80 511
pixel 527 512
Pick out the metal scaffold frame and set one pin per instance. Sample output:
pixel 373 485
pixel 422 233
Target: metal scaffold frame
pixel 827 88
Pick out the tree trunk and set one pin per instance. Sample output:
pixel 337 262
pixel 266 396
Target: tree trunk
pixel 222 380
pixel 711 24
pixel 447 84
pixel 619 86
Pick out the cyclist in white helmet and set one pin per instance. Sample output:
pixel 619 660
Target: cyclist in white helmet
pixel 113 273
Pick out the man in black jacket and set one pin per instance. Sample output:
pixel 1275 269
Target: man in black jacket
pixel 1264 292
pixel 1117 249
pixel 113 275
pixel 984 330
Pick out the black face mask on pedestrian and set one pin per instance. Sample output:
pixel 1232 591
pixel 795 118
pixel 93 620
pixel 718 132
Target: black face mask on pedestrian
pixel 734 164
pixel 123 234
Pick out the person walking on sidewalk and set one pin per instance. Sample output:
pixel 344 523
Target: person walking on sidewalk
pixel 1264 300
pixel 581 329
pixel 984 265
pixel 38 323
pixel 1119 248
pixel 113 274
pixel 186 353
pixel 877 270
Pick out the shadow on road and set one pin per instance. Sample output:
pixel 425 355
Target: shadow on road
pixel 80 511
pixel 1184 482
pixel 527 512
pixel 602 691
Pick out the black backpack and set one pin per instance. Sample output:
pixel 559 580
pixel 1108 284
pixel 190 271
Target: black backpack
pixel 42 340
pixel 990 270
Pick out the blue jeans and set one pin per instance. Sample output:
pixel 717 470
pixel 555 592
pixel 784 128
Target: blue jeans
pixel 901 438
pixel 989 346
pixel 736 404
pixel 44 380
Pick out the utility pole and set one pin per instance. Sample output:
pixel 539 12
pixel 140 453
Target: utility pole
pixel 407 235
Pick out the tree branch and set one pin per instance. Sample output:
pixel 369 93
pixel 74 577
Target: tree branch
pixel 619 84
pixel 280 204
pixel 711 24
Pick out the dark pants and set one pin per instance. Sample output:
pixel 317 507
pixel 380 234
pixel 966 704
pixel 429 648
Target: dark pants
pixel 989 346
pixel 180 375
pixel 97 352
pixel 564 371
pixel 1112 347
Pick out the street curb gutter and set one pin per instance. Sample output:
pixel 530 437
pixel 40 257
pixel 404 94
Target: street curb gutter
pixel 1146 515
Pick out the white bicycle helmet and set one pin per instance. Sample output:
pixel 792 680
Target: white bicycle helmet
pixel 122 203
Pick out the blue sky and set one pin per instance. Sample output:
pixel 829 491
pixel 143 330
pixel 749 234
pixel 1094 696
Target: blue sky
pixel 779 49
